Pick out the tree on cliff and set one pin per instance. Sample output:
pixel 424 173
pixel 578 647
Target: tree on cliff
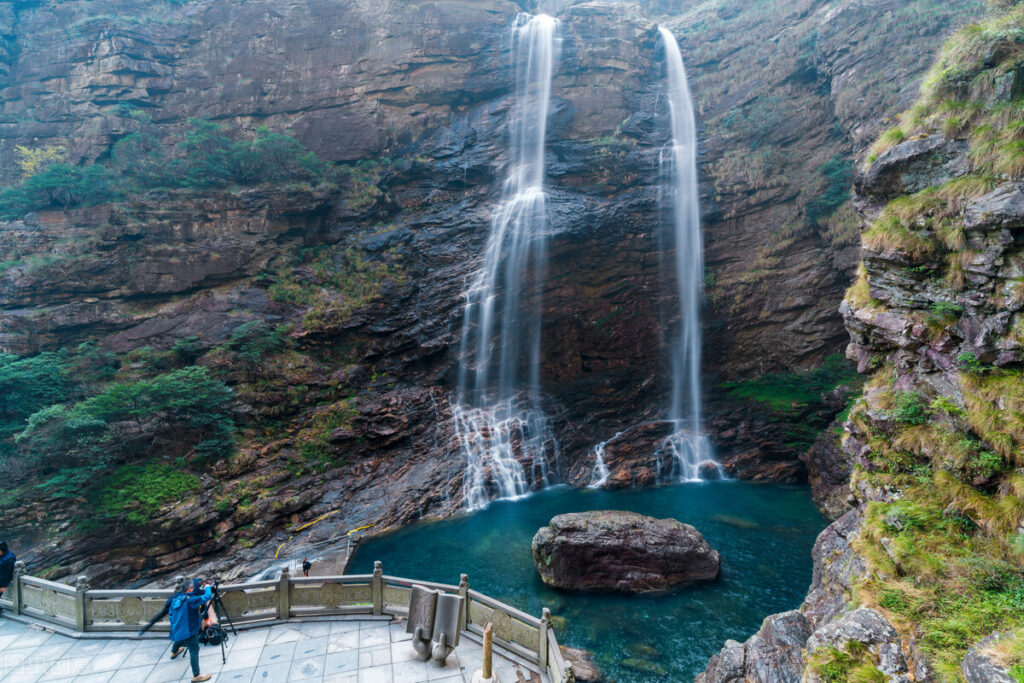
pixel 180 412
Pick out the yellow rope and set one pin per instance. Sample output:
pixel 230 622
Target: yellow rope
pixel 309 524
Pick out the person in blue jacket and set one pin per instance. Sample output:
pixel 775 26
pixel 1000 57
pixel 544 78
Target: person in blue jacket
pixel 7 560
pixel 186 619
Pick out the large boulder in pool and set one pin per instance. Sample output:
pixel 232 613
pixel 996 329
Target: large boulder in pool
pixel 621 551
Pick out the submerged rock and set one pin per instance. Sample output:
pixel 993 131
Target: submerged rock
pixel 583 665
pixel 621 551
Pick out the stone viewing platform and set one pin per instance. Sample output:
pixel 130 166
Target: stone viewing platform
pixel 327 628
pixel 341 650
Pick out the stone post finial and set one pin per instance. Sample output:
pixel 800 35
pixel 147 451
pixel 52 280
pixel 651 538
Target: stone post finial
pixel 284 593
pixel 179 582
pixel 542 637
pixel 81 586
pixel 14 590
pixel 464 604
pixel 377 587
pixel 569 675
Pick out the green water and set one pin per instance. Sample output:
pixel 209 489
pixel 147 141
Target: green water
pixel 764 533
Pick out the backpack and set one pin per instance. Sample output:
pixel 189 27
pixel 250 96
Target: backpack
pixel 212 635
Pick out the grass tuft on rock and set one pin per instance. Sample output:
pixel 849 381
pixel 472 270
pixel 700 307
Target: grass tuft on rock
pixel 943 565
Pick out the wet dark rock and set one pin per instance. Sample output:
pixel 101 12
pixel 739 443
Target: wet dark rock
pixel 772 655
pixel 1001 208
pixel 621 551
pixel 912 166
pixel 828 472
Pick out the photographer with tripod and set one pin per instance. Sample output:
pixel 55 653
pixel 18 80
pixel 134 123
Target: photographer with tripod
pixel 194 619
pixel 185 608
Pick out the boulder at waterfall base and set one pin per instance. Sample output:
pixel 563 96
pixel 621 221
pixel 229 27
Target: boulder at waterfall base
pixel 621 551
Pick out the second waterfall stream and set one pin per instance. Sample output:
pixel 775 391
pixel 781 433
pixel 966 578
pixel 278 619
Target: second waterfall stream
pixel 688 445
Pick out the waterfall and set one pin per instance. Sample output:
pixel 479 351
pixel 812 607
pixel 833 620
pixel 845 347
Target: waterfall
pixel 601 471
pixel 688 445
pixel 499 421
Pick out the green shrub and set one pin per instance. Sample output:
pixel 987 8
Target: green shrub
pixel 27 385
pixel 137 493
pixel 968 362
pixel 790 393
pixel 909 408
pixel 255 339
pixel 273 158
pixel 184 410
pixel 838 175
pixel 61 186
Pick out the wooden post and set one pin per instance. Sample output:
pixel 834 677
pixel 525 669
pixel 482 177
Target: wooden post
pixel 284 594
pixel 15 588
pixel 488 646
pixel 81 586
pixel 378 587
pixel 542 640
pixel 464 608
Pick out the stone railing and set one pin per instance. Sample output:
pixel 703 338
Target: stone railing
pixel 81 609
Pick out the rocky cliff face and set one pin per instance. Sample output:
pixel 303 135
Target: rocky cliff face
pixel 929 460
pixel 423 89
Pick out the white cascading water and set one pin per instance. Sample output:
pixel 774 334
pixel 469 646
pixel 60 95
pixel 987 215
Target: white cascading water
pixel 688 445
pixel 601 471
pixel 499 421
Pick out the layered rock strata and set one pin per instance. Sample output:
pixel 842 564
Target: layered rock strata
pixel 422 90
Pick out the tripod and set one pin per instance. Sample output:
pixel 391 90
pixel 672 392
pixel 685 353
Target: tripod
pixel 220 610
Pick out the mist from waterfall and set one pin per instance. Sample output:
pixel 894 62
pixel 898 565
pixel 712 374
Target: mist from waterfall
pixel 499 422
pixel 688 445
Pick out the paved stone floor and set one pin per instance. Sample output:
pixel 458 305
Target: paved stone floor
pixel 342 651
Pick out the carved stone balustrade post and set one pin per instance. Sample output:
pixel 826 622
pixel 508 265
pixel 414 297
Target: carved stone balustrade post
pixel 542 638
pixel 15 588
pixel 377 586
pixel 284 594
pixel 464 592
pixel 81 586
pixel 569 675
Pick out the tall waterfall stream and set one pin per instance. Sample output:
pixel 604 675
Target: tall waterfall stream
pixel 688 445
pixel 499 420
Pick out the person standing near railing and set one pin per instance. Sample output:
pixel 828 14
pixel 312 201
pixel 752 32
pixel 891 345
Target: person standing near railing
pixel 7 560
pixel 184 608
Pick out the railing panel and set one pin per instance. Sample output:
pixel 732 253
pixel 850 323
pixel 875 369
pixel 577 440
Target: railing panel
pixel 128 611
pixel 511 611
pixel 446 587
pixel 244 602
pixel 508 627
pixel 44 600
pixel 556 662
pixel 396 599
pixel 47 585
